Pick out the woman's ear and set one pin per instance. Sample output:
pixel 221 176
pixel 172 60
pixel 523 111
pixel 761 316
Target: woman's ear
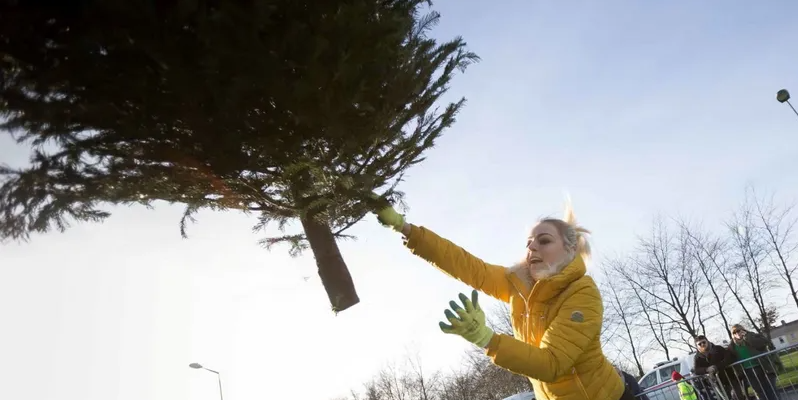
pixel 570 255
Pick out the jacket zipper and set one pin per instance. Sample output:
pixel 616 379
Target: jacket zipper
pixel 525 325
pixel 540 323
pixel 526 328
pixel 579 383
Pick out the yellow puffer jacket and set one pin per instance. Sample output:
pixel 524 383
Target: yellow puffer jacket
pixel 556 322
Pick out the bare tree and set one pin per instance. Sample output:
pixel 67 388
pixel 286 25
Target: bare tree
pixel 665 273
pixel 777 225
pixel 500 319
pixel 393 383
pixel 627 367
pixel 621 316
pixel 478 378
pixel 772 316
pixel 715 257
pixel 666 286
pixel 354 395
pixel 371 391
pixel 423 386
pixel 459 386
pixel 610 332
pixel 492 382
pixel 661 332
pixel 709 255
pixel 751 249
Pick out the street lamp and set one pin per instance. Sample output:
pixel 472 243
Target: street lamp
pixel 783 96
pixel 218 376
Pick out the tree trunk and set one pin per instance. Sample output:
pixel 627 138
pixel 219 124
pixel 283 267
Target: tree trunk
pixel 333 271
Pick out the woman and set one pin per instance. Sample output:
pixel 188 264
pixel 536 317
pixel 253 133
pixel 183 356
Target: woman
pixel 556 309
pixel 758 373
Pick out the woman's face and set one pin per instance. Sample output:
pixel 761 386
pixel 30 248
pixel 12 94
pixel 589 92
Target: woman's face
pixel 546 253
pixel 739 334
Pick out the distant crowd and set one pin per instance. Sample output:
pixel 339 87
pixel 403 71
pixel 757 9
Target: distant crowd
pixel 758 373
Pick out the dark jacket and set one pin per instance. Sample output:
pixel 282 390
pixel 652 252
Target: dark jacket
pixel 718 356
pixel 757 342
pixel 633 386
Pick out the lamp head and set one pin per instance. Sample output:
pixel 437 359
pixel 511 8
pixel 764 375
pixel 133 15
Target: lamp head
pixel 783 95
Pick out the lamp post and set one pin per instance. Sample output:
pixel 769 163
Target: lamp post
pixel 783 96
pixel 218 376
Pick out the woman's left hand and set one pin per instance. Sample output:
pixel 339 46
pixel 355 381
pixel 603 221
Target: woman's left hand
pixel 469 322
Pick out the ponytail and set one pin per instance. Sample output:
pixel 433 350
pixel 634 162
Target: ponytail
pixel 576 234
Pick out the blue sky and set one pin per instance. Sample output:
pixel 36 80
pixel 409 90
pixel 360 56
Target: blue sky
pixel 633 107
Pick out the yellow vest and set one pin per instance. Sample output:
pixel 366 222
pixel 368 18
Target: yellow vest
pixel 687 391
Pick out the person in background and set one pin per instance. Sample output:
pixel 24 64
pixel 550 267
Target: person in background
pixel 714 360
pixel 758 373
pixel 686 390
pixel 631 384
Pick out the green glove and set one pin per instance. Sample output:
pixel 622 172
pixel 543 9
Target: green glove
pixel 388 216
pixel 469 322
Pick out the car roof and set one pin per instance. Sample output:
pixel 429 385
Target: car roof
pixel 522 396
pixel 685 363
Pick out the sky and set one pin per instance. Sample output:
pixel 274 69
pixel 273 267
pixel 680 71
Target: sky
pixel 634 108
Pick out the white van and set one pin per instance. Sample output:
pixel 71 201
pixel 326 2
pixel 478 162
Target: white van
pixel 522 396
pixel 660 376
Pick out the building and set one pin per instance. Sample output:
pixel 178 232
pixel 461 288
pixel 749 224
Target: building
pixel 785 334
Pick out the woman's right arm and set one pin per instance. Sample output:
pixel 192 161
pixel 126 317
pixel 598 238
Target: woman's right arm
pixel 458 263
pixel 758 342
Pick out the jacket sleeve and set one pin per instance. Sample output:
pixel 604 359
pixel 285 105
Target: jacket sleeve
pixel 458 263
pixel 699 365
pixel 731 349
pixel 726 357
pixel 576 326
pixel 757 341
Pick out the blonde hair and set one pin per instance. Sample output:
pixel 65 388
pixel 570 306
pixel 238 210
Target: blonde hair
pixel 573 235
pixel 737 327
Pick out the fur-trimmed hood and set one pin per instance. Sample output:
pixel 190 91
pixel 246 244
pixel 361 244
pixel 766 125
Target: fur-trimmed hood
pixel 554 284
pixel 521 271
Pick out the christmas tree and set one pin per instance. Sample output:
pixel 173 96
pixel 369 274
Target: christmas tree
pixel 287 109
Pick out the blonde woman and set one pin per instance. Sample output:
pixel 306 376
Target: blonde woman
pixel 556 309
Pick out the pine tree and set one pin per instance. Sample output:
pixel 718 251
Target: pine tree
pixel 288 109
